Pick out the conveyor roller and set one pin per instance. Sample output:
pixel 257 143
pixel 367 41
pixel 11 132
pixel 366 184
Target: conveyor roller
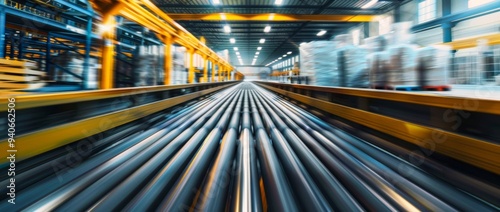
pixel 240 149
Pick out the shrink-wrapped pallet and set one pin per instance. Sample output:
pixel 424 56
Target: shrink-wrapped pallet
pixel 378 65
pixel 317 63
pixel 403 65
pixel 434 65
pixel 352 67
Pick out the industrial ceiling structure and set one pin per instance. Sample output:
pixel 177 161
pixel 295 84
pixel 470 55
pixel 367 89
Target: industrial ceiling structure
pixel 240 25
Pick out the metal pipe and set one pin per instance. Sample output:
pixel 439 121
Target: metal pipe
pixel 246 193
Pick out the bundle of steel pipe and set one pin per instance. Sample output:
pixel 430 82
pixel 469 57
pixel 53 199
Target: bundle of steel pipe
pixel 242 149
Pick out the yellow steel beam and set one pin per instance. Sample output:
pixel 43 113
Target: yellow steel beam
pixel 191 66
pixel 228 73
pixel 148 15
pixel 482 105
pixel 493 39
pixel 108 53
pixel 271 17
pixel 29 145
pixel 482 154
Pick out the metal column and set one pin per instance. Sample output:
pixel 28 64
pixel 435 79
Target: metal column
pixel 447 26
pixel 168 60
pixel 108 50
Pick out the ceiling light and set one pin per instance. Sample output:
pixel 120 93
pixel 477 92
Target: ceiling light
pixel 289 53
pixel 369 4
pixel 232 40
pixel 257 52
pixel 267 29
pixel 227 29
pixel 262 40
pixel 235 48
pixel 284 55
pixel 259 48
pixel 256 56
pixel 321 33
pixel 223 16
pixel 216 1
pixel 278 2
pixel 279 58
pixel 237 53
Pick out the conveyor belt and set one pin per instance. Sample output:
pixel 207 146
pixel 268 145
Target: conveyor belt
pixel 241 149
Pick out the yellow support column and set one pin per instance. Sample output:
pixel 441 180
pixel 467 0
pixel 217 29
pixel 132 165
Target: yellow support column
pixel 205 69
pixel 108 52
pixel 228 73
pixel 213 72
pixel 168 60
pixel 191 66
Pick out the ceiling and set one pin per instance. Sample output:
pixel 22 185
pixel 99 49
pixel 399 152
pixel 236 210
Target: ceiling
pixel 284 36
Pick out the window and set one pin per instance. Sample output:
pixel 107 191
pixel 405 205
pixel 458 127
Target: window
pixel 293 60
pixel 426 10
pixel 475 3
pixel 297 58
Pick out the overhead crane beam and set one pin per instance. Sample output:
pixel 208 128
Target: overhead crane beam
pixel 271 17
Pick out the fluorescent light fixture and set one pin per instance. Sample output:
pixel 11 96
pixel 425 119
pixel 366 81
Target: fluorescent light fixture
pixel 223 16
pixel 289 53
pixel 257 52
pixel 227 29
pixel 232 40
pixel 284 55
pixel 321 33
pixel 235 48
pixel 237 53
pixel 369 4
pixel 259 48
pixel 256 56
pixel 262 40
pixel 278 2
pixel 279 58
pixel 216 1
pixel 267 29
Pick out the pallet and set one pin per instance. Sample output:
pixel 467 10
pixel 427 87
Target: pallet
pixel 437 88
pixel 408 88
